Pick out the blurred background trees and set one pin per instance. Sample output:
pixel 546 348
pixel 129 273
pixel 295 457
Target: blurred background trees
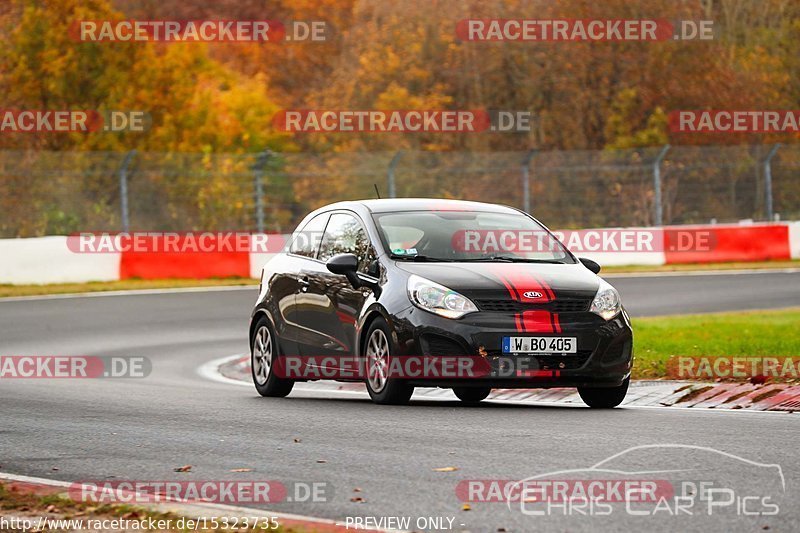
pixel 380 54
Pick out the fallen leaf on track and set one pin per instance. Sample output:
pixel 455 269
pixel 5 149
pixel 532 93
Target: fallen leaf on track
pixel 184 468
pixel 445 469
pixel 242 470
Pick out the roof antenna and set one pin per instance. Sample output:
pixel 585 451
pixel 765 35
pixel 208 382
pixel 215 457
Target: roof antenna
pixel 377 192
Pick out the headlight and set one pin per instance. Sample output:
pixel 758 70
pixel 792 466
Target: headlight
pixel 438 299
pixel 606 302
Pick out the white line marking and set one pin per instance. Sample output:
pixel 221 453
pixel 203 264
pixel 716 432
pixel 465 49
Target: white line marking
pixel 40 480
pixel 673 273
pixel 210 371
pixel 187 508
pixel 131 292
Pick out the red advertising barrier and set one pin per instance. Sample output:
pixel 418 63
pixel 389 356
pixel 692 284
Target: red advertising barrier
pixel 730 243
pixel 212 255
pixel 183 262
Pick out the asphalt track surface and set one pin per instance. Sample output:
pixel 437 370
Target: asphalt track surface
pixel 141 429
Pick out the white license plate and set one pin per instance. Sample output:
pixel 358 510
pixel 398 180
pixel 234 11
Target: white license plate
pixel 540 345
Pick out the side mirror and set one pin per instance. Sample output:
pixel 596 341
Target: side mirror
pixel 591 265
pixel 346 265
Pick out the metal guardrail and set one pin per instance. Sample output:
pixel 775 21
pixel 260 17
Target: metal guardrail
pixel 62 192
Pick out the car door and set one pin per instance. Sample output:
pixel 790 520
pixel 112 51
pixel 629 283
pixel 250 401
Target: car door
pixel 330 305
pixel 302 251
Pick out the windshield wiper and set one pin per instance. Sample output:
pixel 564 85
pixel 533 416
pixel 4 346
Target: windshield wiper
pixel 511 259
pixel 421 258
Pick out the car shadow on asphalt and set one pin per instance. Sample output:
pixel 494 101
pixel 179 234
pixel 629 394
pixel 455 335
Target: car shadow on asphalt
pixel 445 404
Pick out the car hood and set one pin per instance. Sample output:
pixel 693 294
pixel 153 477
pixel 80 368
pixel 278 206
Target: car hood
pixel 541 282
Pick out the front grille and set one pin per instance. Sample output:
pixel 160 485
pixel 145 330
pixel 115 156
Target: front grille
pixel 551 362
pixel 498 306
pixel 571 306
pixel 563 362
pixel 565 305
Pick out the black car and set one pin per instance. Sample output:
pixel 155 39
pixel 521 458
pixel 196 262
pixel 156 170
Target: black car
pixel 391 292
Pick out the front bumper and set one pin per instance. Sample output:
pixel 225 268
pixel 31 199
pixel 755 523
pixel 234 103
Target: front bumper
pixel 604 355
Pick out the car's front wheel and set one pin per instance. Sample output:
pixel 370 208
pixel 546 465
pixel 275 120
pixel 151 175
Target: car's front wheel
pixel 471 394
pixel 604 397
pixel 263 355
pixel 382 388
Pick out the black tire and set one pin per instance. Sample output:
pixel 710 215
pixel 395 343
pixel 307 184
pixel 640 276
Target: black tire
pixel 471 394
pixel 272 386
pixel 604 397
pixel 394 391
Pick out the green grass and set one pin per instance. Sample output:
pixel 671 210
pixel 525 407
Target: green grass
pixel 759 265
pixel 746 333
pixel 129 284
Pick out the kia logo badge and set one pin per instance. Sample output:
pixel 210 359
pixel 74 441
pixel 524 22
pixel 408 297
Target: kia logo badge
pixel 532 294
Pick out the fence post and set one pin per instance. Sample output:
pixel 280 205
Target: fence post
pixel 258 175
pixel 768 182
pixel 658 213
pixel 392 186
pixel 123 190
pixel 526 179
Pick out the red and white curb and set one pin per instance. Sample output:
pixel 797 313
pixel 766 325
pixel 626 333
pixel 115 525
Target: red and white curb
pixel 770 398
pixel 47 487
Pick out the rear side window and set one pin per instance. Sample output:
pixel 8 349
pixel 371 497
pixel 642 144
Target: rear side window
pixel 305 241
pixel 345 235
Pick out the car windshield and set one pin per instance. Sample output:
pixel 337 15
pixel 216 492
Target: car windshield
pixel 468 236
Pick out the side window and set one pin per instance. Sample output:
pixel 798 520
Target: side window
pixel 345 235
pixel 305 241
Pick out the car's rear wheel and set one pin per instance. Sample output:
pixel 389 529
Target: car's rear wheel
pixel 471 394
pixel 377 351
pixel 604 397
pixel 263 354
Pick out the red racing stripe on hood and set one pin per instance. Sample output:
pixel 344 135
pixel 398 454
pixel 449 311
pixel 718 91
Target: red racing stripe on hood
pixel 518 280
